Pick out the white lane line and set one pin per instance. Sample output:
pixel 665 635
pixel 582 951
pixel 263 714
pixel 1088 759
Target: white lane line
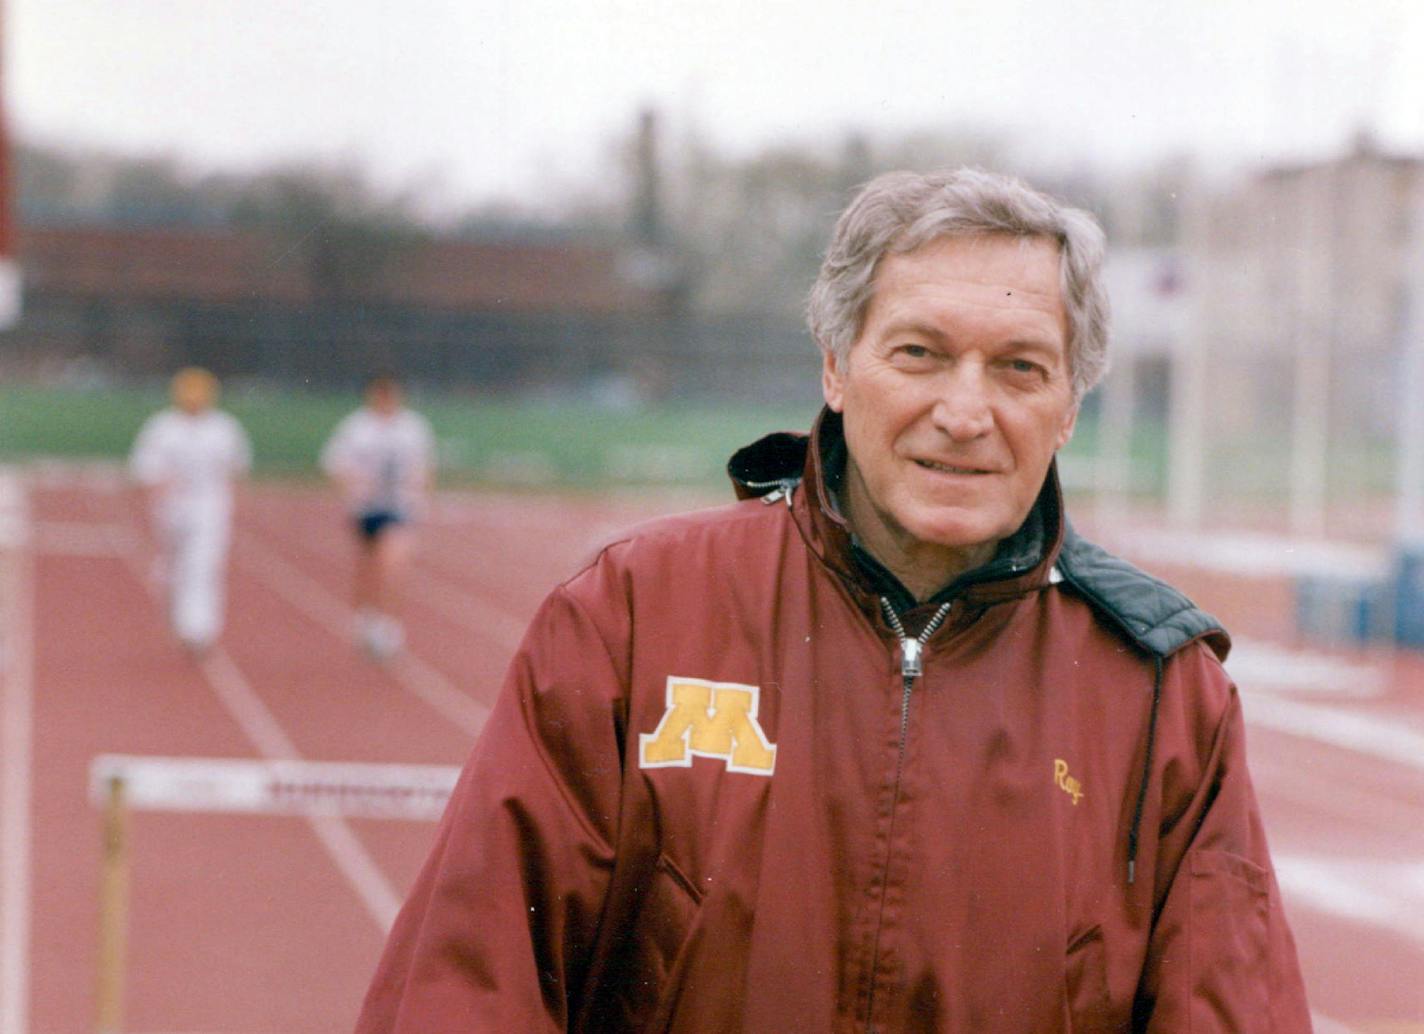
pixel 496 624
pixel 1387 895
pixel 16 753
pixel 1338 727
pixel 235 693
pixel 360 869
pixel 104 477
pixel 1265 666
pixel 14 518
pixel 1325 1025
pixel 326 609
pixel 266 734
pixel 439 692
pixel 1252 554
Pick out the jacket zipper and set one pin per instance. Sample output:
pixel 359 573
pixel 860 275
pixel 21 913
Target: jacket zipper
pixel 782 488
pixel 911 668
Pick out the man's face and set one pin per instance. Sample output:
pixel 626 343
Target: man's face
pixel 956 395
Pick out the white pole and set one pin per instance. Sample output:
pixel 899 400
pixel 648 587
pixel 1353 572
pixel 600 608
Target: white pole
pixel 1191 364
pixel 1113 468
pixel 1310 416
pixel 1409 472
pixel 16 752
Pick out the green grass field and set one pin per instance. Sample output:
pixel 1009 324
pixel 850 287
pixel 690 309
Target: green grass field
pixel 518 443
pixel 511 443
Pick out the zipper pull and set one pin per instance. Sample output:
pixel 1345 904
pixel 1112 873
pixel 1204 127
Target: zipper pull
pixel 912 650
pixel 785 489
pixel 910 665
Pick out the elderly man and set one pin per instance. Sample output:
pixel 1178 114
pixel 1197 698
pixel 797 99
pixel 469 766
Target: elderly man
pixel 884 746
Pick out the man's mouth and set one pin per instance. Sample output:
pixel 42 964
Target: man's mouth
pixel 948 468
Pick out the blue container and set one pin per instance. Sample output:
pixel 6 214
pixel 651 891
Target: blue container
pixel 1338 609
pixel 1408 589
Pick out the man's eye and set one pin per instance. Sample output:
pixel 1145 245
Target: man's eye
pixel 1023 366
pixel 914 351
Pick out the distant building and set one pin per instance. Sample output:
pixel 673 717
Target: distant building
pixel 1300 296
pixel 128 287
pixel 490 314
pixel 1314 257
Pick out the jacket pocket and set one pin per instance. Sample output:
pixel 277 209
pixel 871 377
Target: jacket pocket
pixel 667 913
pixel 1228 924
pixel 663 924
pixel 1086 978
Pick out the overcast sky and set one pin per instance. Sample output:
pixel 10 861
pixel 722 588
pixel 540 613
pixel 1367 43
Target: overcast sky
pixel 482 98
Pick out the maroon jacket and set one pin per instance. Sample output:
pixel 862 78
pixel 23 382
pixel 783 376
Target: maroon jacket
pixel 711 799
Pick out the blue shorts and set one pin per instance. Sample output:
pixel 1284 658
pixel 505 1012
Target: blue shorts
pixel 371 523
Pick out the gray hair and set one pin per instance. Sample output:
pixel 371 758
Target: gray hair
pixel 899 212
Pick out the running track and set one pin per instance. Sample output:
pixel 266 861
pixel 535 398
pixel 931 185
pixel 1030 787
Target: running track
pixel 260 925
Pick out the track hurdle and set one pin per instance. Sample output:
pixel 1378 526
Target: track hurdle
pixel 120 784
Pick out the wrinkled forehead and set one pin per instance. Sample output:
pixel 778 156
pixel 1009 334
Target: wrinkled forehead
pixel 997 270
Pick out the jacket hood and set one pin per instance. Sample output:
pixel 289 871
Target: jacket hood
pixel 1154 616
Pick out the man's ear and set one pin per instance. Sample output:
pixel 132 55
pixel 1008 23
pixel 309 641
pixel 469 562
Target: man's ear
pixel 1070 422
pixel 832 381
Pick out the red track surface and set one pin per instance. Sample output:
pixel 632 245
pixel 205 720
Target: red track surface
pixel 242 924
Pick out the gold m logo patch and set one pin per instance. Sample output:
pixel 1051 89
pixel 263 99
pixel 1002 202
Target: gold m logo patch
pixel 710 720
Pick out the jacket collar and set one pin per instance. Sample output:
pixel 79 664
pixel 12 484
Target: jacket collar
pixel 779 463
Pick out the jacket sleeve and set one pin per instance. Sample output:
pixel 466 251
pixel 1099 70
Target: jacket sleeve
pixel 1221 959
pixel 496 931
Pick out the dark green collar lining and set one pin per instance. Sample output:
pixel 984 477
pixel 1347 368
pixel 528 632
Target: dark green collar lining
pixel 1155 616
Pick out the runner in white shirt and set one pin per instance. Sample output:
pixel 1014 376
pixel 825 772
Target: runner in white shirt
pixel 186 458
pixel 382 459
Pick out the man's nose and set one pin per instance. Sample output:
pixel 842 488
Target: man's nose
pixel 962 410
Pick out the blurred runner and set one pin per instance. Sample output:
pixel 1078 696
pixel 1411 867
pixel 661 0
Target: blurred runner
pixel 186 458
pixel 381 457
